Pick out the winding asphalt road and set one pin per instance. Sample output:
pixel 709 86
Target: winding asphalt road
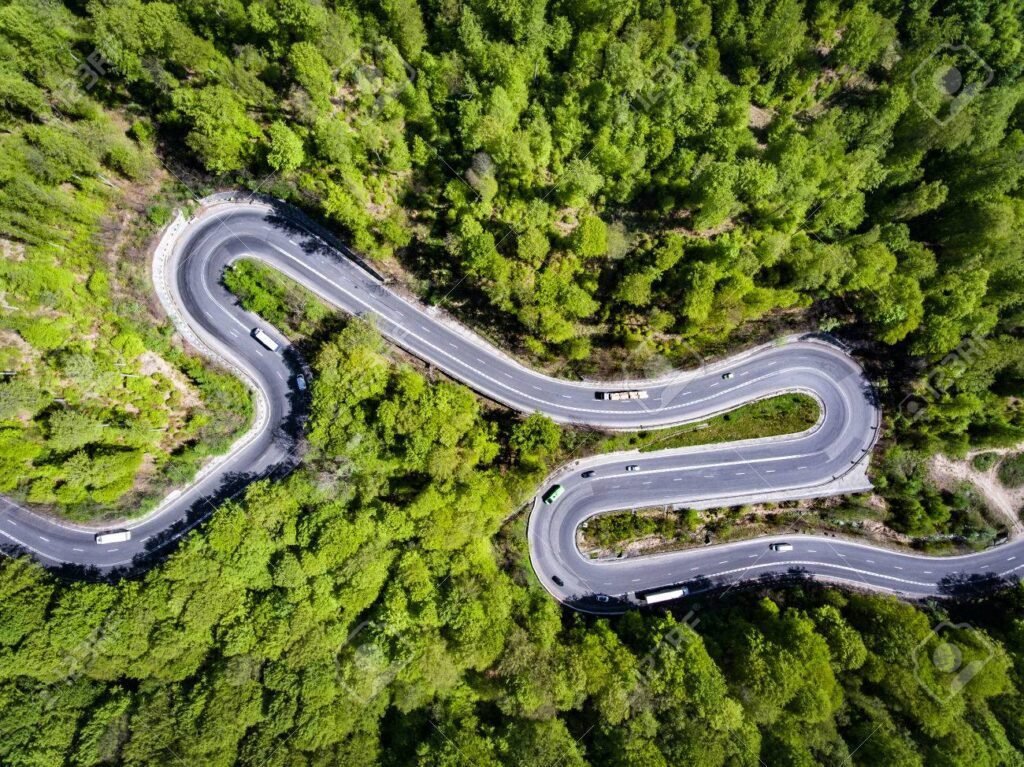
pixel 829 458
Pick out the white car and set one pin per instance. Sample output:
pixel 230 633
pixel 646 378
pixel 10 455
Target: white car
pixel 632 467
pixel 300 381
pixel 727 376
pixel 781 546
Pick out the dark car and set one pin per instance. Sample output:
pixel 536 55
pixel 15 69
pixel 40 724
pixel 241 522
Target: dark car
pixel 588 474
pixel 557 580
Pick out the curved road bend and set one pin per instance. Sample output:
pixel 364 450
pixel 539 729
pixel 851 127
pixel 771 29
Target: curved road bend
pixel 829 458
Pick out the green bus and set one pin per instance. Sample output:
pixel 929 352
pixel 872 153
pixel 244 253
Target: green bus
pixel 552 494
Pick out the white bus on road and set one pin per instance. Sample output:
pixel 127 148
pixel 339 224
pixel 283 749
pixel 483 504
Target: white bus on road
pixel 264 339
pixel 113 536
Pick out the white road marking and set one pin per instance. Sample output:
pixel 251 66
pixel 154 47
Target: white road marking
pixel 44 538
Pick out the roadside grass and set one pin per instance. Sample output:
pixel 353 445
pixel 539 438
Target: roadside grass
pixel 651 531
pixel 280 301
pixel 784 414
pixel 1011 470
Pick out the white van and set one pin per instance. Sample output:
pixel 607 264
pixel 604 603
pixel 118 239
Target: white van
pixel 781 546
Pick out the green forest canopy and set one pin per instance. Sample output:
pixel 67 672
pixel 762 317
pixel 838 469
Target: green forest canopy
pixel 601 173
pixel 654 176
pixel 355 613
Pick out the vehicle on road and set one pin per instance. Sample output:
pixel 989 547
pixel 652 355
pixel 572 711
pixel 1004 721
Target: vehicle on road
pixel 588 474
pixel 113 536
pixel 603 598
pixel 618 395
pixel 260 335
pixel 558 581
pixel 632 467
pixel 781 546
pixel 300 381
pixel 664 595
pixel 727 376
pixel 552 494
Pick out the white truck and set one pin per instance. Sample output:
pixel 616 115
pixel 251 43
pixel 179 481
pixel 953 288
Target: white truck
pixel 113 536
pixel 260 335
pixel 619 395
pixel 665 595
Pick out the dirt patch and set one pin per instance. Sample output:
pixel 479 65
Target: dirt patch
pixel 1005 502
pixel 760 118
pixel 151 363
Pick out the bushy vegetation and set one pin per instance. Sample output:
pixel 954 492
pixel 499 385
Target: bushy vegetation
pixel 276 299
pixel 93 397
pixel 614 530
pixel 985 461
pixel 1011 470
pixel 355 614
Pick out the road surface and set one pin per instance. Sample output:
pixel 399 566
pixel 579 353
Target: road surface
pixel 829 458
